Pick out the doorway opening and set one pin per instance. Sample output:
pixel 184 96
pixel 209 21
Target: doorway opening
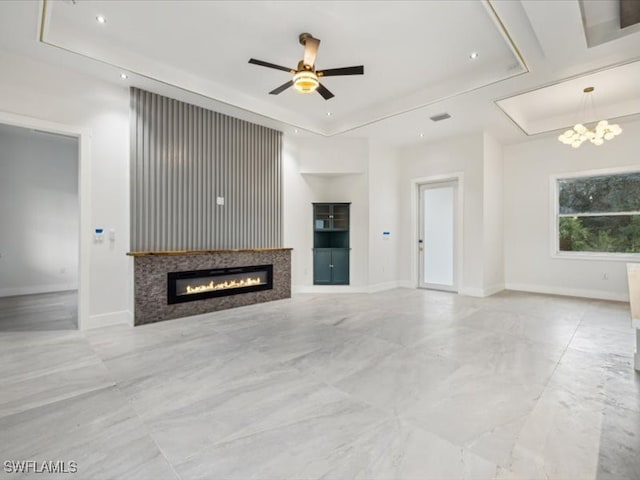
pixel 40 235
pixel 438 235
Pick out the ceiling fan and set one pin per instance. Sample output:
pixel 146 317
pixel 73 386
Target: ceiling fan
pixel 306 77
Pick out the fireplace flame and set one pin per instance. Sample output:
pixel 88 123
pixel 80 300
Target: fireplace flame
pixel 213 286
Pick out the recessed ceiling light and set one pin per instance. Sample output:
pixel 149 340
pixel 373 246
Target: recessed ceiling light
pixel 328 114
pixel 421 135
pixel 124 76
pixel 101 19
pixel 473 55
pixel 296 131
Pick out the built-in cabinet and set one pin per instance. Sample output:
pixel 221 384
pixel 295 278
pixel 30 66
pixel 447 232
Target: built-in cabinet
pixel 331 243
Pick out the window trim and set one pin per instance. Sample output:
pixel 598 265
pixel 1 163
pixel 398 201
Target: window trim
pixel 554 192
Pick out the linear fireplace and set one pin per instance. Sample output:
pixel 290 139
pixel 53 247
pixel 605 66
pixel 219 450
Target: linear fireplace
pixel 200 284
pixel 151 281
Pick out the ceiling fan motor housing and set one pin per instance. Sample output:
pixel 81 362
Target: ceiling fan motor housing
pixel 303 66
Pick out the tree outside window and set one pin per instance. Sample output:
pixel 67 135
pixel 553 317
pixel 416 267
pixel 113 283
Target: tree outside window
pixel 599 213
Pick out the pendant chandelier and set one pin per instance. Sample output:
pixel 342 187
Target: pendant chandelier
pixel 601 131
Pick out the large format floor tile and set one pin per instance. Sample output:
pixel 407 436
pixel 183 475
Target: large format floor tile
pixel 404 384
pixel 42 312
pixel 99 431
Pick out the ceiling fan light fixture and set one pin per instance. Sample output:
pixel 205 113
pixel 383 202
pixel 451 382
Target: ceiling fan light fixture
pixel 305 77
pixel 305 81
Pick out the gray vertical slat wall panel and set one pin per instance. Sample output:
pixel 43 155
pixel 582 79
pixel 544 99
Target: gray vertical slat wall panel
pixel 182 158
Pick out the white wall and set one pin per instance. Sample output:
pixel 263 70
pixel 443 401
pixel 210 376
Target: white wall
pixel 53 93
pixel 460 154
pixel 527 215
pixel 493 216
pixel 319 169
pixel 384 216
pixel 39 212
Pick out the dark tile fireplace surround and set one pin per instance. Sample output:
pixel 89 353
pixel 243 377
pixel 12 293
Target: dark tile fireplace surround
pixel 170 285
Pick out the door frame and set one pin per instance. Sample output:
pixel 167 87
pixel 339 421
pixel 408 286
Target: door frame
pixel 416 183
pixel 84 197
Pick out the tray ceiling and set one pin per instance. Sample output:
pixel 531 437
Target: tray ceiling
pixel 414 53
pixel 561 105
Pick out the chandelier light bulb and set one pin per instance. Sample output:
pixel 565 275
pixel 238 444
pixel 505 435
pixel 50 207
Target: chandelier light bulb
pixel 597 134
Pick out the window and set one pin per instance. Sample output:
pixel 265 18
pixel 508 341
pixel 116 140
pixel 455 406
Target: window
pixel 599 213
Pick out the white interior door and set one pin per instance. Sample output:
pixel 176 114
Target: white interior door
pixel 437 236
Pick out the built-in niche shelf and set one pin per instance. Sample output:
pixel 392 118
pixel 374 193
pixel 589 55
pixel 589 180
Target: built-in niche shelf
pixel 331 243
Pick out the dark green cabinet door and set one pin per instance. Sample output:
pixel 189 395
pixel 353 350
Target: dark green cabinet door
pixel 322 266
pixel 340 262
pixel 340 217
pixel 330 217
pixel 322 216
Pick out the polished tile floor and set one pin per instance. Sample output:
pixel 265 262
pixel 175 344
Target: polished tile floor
pixel 47 311
pixel 404 384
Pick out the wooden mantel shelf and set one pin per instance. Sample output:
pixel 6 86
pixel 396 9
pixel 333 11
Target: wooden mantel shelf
pixel 203 252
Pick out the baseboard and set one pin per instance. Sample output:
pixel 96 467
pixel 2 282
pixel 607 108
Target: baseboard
pixel 481 292
pixel 381 287
pixel 377 287
pixel 113 318
pixel 59 287
pixel 472 292
pixel 568 292
pixel 492 290
pixel 329 289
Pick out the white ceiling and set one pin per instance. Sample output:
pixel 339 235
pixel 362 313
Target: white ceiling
pixel 602 22
pixel 405 47
pixel 415 56
pixel 616 94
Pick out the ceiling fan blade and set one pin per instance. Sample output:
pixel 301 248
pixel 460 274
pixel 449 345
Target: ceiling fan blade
pixel 310 50
pixel 271 65
pixel 281 88
pixel 326 94
pixel 334 72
